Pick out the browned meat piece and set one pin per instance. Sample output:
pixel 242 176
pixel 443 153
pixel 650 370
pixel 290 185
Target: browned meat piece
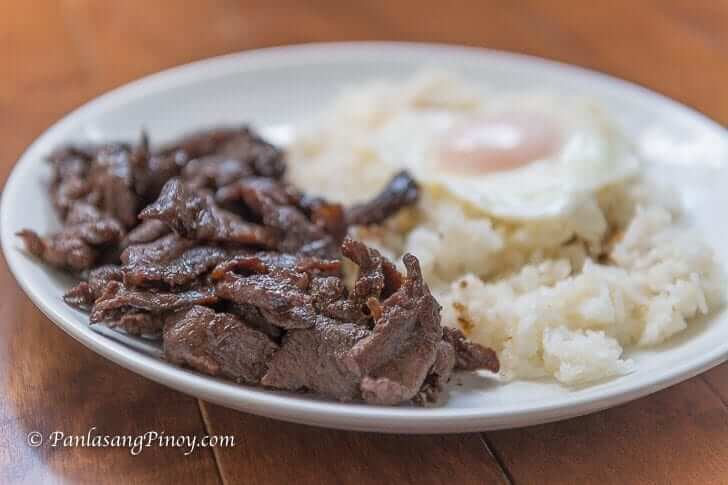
pixel 280 296
pixel 163 249
pixel 439 375
pixel 98 277
pixel 242 145
pixel 326 290
pixel 183 269
pixel 89 224
pixel 60 250
pixel 194 216
pixel 151 171
pixel 72 180
pixel 218 344
pixel 318 266
pixel 397 357
pixel 402 359
pixel 275 204
pixel 469 355
pixel 197 144
pixel 215 171
pixel 69 184
pixel 145 232
pixel 117 300
pixel 313 359
pixel 84 294
pixel 81 296
pixel 139 323
pixel 402 191
pixel 170 260
pixel 330 298
pixel 253 317
pixel 76 245
pixel 259 262
pixel 329 216
pixel 377 278
pixel 68 191
pixel 284 288
pixel 111 176
pixel 242 155
pixel 116 178
pixel 263 262
pixel 265 159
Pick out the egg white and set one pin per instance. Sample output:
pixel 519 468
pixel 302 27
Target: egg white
pixel 593 154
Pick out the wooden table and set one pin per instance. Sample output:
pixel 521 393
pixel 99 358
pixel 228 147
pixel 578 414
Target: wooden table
pixel 56 55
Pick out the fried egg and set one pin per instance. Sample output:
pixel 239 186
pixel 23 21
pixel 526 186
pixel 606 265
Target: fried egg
pixel 515 157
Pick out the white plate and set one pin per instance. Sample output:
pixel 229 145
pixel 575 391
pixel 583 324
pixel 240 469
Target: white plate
pixel 275 87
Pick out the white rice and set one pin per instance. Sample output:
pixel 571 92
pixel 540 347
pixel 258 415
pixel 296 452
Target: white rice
pixel 532 291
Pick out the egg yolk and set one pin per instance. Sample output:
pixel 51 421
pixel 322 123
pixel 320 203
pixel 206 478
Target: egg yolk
pixel 499 142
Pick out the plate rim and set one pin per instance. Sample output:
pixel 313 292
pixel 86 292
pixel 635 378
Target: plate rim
pixel 327 413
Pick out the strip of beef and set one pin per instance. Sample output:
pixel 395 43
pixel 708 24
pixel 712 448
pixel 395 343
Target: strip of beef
pixel 139 323
pixel 83 295
pixel 116 178
pixel 266 261
pixel 215 171
pixel 276 205
pixel 111 176
pixel 178 271
pixel 330 298
pixel 150 171
pixel 469 355
pixel 163 249
pixel 325 289
pixel 327 215
pixel 280 296
pixel 198 144
pixel 243 155
pixel 93 225
pixel 77 245
pixel 395 359
pixel 195 216
pixel 252 155
pixel 170 260
pixel 439 375
pixel 61 250
pixel 117 300
pixel 69 184
pixel 313 359
pixel 285 289
pixel 253 317
pixel 145 232
pixel 264 158
pixel 218 344
pixel 377 277
pixel 402 191
pixel 403 358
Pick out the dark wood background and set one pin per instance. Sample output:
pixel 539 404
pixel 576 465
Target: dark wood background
pixel 57 55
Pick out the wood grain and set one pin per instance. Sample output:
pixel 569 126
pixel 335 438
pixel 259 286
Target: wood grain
pixel 676 436
pixel 58 54
pixel 276 452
